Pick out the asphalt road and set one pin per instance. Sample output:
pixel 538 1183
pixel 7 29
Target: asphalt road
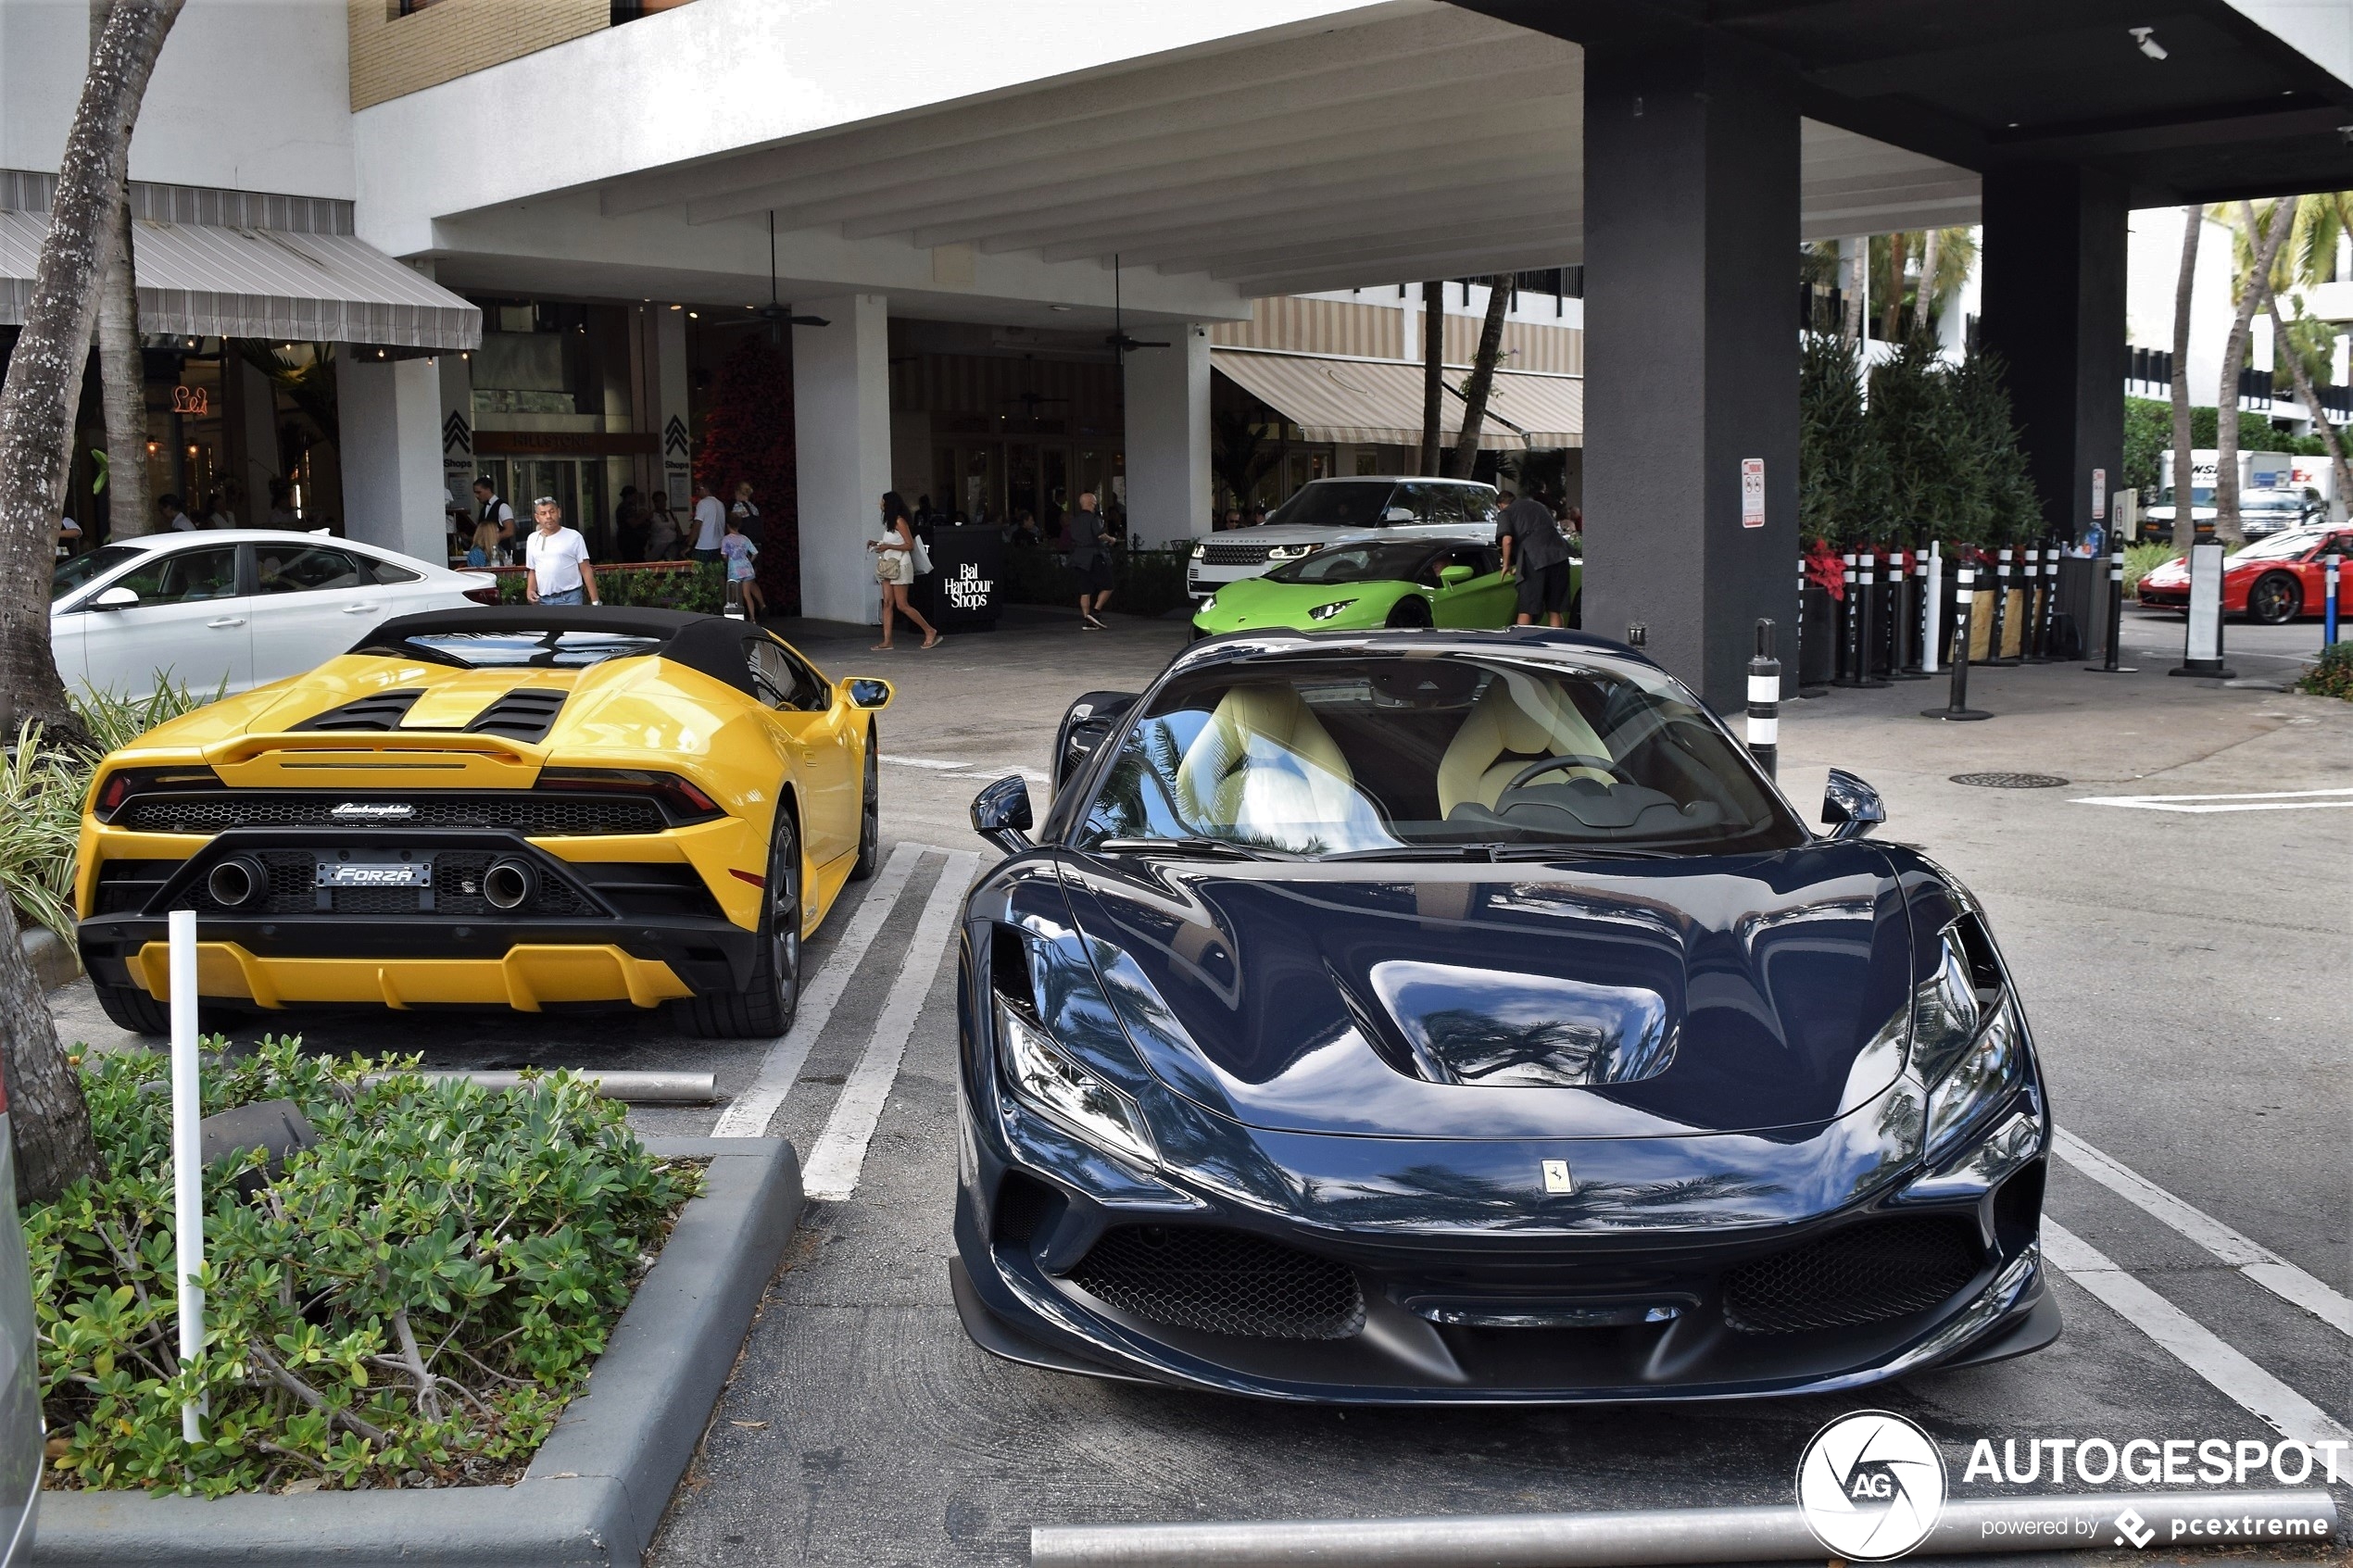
pixel 2183 966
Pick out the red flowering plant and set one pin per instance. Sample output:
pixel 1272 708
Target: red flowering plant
pixel 748 433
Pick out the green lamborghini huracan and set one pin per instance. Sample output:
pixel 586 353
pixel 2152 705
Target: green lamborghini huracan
pixel 1357 587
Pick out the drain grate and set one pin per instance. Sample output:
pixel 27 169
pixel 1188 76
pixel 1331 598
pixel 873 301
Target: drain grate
pixel 2011 781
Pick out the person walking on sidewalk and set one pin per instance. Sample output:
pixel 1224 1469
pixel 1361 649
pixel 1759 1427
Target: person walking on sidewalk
pixel 556 558
pixel 895 570
pixel 1090 542
pixel 1535 552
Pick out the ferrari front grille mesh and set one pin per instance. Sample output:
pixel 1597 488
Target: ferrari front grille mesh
pixel 1221 1282
pixel 1868 1273
pixel 538 813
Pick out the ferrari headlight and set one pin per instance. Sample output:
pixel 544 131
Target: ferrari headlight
pixel 1325 613
pixel 1288 552
pixel 1199 550
pixel 1048 1082
pixel 1980 1082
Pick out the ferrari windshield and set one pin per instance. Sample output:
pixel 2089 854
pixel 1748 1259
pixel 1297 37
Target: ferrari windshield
pixel 519 650
pixel 1357 754
pixel 1356 563
pixel 2279 546
pixel 1334 503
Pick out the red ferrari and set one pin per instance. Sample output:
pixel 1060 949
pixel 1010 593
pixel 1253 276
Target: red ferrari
pixel 2273 580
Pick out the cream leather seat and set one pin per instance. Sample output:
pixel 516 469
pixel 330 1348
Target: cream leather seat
pixel 1265 763
pixel 1517 720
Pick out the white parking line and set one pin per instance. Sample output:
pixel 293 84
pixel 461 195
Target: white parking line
pixel 2271 800
pixel 840 1152
pixel 2244 1253
pixel 2189 1342
pixel 748 1116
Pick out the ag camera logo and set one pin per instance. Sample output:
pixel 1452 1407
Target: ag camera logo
pixel 1870 1485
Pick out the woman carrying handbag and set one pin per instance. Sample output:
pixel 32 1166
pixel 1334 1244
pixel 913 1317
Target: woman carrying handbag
pixel 895 567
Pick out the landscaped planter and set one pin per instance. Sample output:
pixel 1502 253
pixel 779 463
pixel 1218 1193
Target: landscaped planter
pixel 597 1488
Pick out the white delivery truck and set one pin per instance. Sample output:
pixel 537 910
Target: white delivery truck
pixel 2277 490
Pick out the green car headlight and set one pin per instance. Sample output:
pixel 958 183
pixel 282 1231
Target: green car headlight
pixel 1049 1083
pixel 1325 613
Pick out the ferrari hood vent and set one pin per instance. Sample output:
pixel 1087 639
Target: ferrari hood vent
pixel 377 710
pixel 525 713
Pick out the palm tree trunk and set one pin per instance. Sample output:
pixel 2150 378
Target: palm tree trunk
pixel 1482 376
pixel 2310 394
pixel 1858 289
pixel 1433 371
pixel 52 1143
pixel 2265 242
pixel 2184 527
pixel 1891 321
pixel 1924 301
pixel 122 373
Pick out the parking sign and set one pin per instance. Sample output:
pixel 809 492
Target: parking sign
pixel 1752 492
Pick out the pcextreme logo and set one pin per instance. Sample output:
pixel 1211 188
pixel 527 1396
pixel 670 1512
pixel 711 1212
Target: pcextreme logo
pixel 1870 1485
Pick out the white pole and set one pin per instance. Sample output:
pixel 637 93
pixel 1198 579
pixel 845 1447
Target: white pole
pixel 187 1152
pixel 1933 613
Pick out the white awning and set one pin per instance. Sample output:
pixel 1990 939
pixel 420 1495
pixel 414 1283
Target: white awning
pixel 1379 402
pixel 202 279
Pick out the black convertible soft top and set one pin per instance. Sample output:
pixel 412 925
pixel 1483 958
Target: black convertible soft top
pixel 712 644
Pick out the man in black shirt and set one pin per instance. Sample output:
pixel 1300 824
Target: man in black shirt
pixel 1535 552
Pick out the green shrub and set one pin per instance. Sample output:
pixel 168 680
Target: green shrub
pixel 2143 558
pixel 410 1301
pixel 42 789
pixel 2332 676
pixel 700 588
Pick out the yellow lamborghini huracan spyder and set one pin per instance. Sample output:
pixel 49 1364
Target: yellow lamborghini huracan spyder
pixel 520 808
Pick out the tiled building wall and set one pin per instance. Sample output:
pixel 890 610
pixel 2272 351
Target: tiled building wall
pixel 392 54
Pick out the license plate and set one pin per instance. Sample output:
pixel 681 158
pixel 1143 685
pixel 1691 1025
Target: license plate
pixel 375 873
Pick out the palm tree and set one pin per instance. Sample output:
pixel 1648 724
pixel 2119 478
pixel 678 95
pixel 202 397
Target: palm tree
pixel 54 1146
pixel 2263 249
pixel 2322 219
pixel 121 371
pixel 1482 376
pixel 2184 521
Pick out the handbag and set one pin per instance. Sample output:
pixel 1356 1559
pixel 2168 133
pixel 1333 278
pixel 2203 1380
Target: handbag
pixel 922 556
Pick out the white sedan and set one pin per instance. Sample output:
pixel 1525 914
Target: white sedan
pixel 240 606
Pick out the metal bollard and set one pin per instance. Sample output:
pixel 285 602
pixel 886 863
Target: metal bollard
pixel 1957 705
pixel 2109 665
pixel 1911 608
pixel 1842 672
pixel 2001 637
pixel 2331 565
pixel 1765 701
pixel 2038 598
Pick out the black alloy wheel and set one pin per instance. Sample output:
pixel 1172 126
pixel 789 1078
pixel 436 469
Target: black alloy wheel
pixel 1410 613
pixel 870 812
pixel 2276 598
pixel 764 1008
pixel 131 1008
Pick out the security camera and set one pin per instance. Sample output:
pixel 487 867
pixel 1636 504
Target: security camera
pixel 2147 38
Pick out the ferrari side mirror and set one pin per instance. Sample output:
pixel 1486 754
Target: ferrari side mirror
pixel 1850 807
pixel 867 692
pixel 1000 814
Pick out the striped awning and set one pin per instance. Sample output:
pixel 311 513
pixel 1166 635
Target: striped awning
pixel 1379 402
pixel 202 279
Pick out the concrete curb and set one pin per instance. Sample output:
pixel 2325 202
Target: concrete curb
pixel 53 959
pixel 596 1492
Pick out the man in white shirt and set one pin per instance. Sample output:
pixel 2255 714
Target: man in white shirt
pixel 490 507
pixel 711 522
pixel 558 560
pixel 175 517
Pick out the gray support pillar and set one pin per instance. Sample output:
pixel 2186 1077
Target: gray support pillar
pixel 1691 354
pixel 389 411
pixel 2055 243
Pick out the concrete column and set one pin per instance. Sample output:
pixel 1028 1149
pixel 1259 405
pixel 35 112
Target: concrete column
pixel 390 412
pixel 457 468
pixel 670 376
pixel 1168 481
pixel 1691 219
pixel 2053 268
pixel 841 430
pixel 256 439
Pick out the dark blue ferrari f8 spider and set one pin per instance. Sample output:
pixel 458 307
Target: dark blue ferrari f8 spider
pixel 1464 1017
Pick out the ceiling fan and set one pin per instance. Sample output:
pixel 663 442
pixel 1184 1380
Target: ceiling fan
pixel 1119 342
pixel 779 317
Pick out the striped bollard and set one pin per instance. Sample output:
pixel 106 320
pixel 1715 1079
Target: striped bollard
pixel 2001 637
pixel 2030 645
pixel 1765 701
pixel 1849 630
pixel 1805 580
pixel 2331 564
pixel 2111 663
pixel 1957 705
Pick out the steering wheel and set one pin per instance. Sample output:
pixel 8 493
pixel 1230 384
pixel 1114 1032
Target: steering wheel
pixel 1572 760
